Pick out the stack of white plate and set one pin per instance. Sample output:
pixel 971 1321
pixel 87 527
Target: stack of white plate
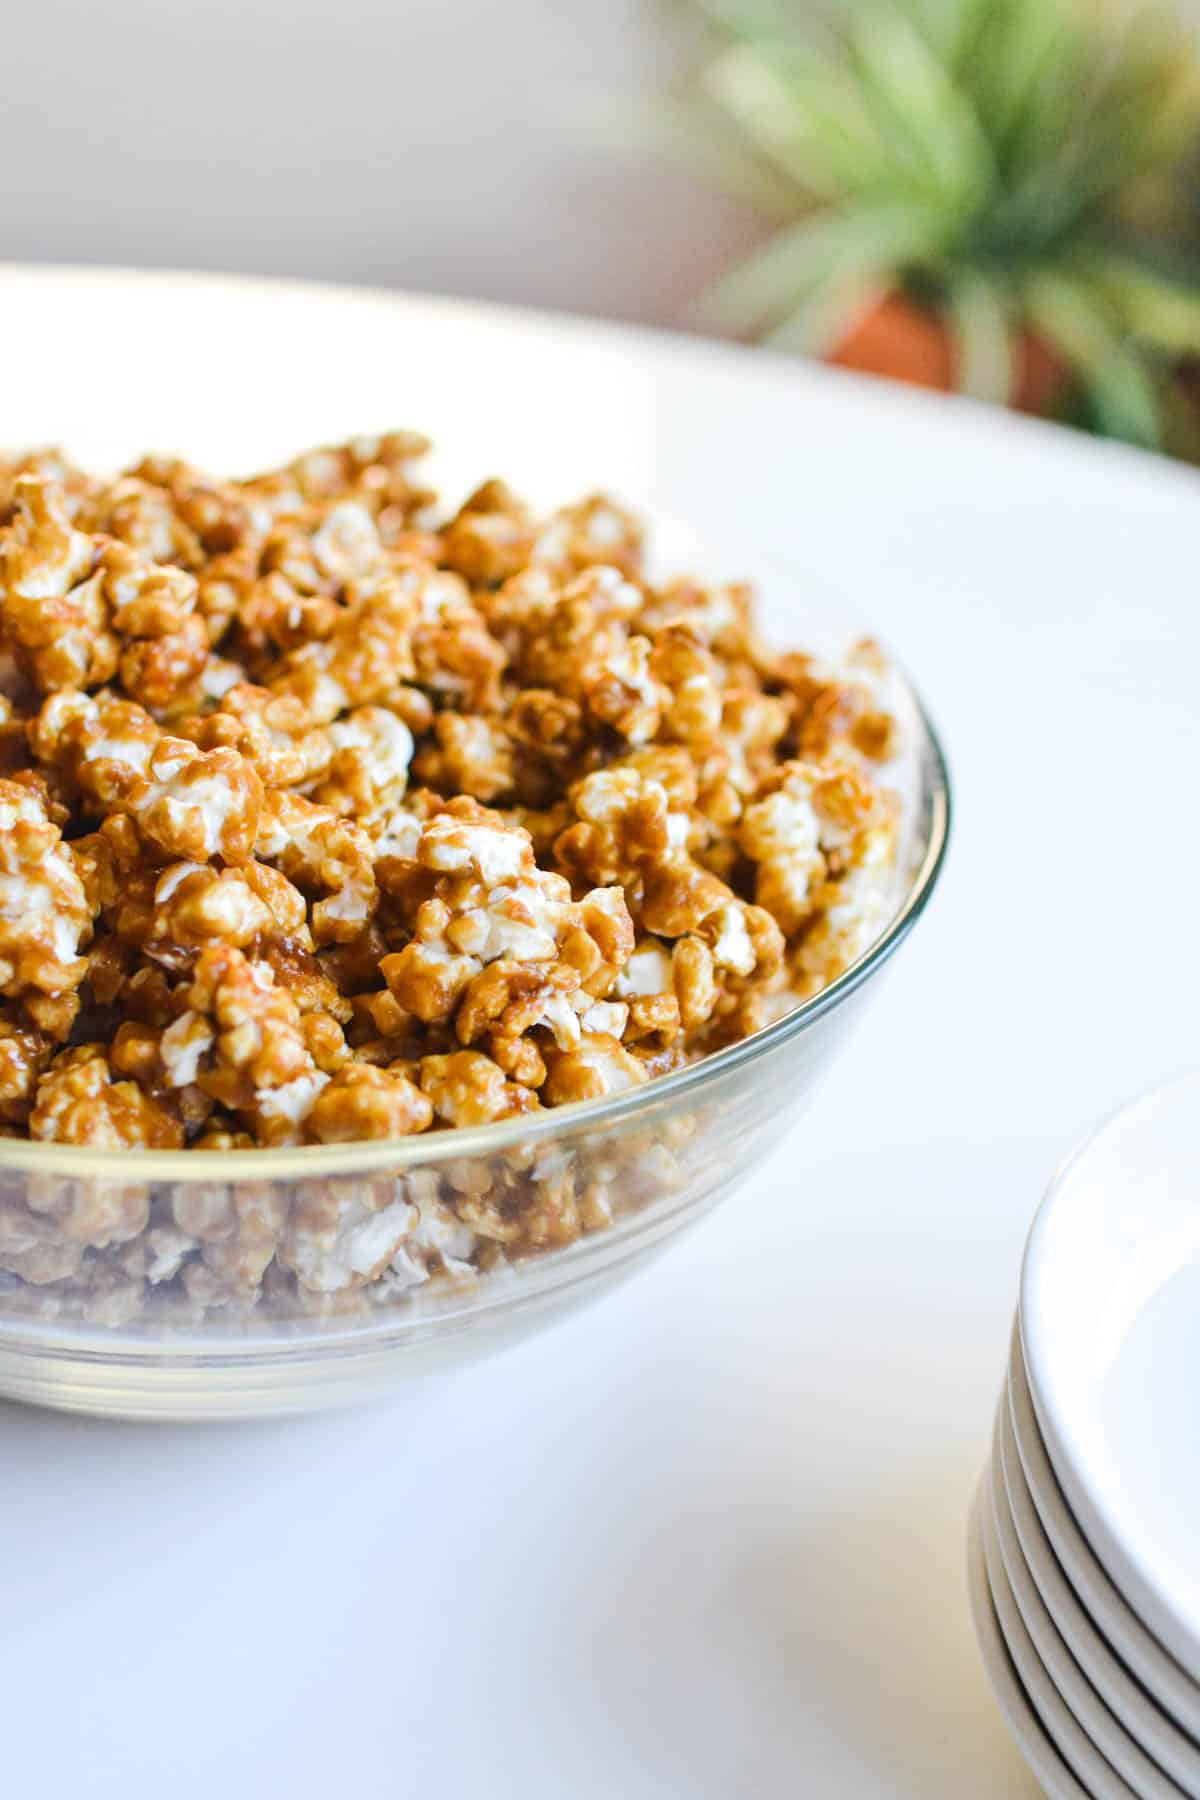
pixel 1085 1536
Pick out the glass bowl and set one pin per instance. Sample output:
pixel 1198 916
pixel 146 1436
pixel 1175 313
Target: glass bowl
pixel 642 1165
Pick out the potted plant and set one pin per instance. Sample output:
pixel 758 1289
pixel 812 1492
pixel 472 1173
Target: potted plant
pixel 979 195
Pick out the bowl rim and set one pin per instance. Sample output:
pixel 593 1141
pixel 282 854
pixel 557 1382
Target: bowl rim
pixel 428 1149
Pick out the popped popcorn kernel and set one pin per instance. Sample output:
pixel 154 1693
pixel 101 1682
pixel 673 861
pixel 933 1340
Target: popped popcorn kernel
pixel 240 1037
pixel 366 1102
pixel 468 1088
pixel 45 912
pixel 52 606
pixel 78 1102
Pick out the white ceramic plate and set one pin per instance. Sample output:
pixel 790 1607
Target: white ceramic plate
pixel 1035 1746
pixel 1146 1722
pixel 1110 1321
pixel 1145 1658
pixel 1098 1776
pixel 1114 1742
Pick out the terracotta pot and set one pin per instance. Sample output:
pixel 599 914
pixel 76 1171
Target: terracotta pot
pixel 905 342
pixel 1181 412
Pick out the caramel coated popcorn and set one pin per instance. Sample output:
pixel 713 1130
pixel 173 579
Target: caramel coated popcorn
pixel 327 816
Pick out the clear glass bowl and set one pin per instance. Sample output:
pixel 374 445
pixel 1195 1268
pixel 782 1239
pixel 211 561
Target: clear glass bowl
pixel 658 1157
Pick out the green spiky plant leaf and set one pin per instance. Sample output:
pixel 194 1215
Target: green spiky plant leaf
pixel 1011 163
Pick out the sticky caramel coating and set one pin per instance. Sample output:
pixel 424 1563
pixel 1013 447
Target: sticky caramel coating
pixel 328 815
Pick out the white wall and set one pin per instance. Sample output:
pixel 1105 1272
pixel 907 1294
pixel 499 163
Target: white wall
pixel 447 144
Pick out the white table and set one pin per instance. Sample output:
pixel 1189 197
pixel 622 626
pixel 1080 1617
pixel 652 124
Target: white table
pixel 706 1539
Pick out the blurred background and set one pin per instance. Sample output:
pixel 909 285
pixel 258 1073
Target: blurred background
pixel 456 145
pixel 998 195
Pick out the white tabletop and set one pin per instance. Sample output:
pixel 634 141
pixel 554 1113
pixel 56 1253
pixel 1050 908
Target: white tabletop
pixel 707 1538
